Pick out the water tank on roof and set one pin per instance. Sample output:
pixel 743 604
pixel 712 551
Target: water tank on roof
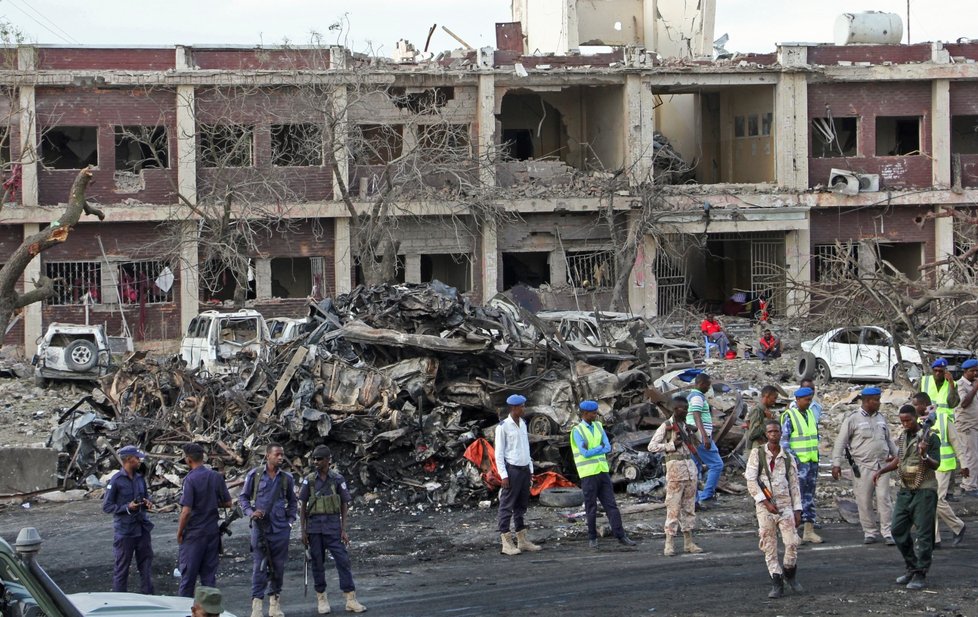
pixel 869 28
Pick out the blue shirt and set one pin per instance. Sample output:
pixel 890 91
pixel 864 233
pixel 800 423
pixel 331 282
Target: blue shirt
pixel 203 491
pixel 121 491
pixel 786 427
pixel 324 523
pixel 279 506
pixel 581 442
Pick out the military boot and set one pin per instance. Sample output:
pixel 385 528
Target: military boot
pixel 256 608
pixel 508 547
pixel 524 544
pixel 322 603
pixel 688 545
pixel 777 586
pixel 274 608
pixel 789 577
pixel 670 548
pixel 810 535
pixel 352 605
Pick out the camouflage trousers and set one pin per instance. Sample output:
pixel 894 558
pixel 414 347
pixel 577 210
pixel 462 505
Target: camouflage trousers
pixel 767 527
pixel 680 505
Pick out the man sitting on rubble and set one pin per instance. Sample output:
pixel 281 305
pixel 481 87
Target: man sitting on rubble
pixel 515 468
pixel 713 330
pixel 681 478
pixel 769 346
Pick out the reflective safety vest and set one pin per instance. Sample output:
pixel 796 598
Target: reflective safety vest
pixel 588 465
pixel 938 396
pixel 803 440
pixel 949 460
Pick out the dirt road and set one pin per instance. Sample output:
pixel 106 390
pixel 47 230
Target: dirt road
pixel 447 564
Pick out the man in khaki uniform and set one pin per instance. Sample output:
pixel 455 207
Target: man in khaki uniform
pixel 772 480
pixel 966 420
pixel 681 478
pixel 867 436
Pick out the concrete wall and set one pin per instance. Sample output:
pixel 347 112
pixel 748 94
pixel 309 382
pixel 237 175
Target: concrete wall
pixel 751 157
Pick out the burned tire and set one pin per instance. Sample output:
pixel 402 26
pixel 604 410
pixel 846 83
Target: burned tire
pixel 81 355
pixel 562 497
pixel 806 368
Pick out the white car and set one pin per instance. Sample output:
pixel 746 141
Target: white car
pixel 865 353
pixel 226 343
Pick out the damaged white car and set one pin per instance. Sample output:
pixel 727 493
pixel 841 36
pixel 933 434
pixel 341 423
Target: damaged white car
pixel 71 351
pixel 226 343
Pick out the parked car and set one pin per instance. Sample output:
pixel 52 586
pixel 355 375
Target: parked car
pixel 866 353
pixel 225 343
pixel 26 590
pixel 70 351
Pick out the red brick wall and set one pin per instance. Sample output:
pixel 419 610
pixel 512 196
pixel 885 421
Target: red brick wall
pixel 968 50
pixel 877 54
pixel 895 224
pixel 107 108
pixel 867 101
pixel 10 238
pixel 91 58
pixel 269 59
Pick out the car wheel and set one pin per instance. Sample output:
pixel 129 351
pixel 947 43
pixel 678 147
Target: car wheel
pixel 562 497
pixel 806 366
pixel 541 425
pixel 822 373
pixel 81 355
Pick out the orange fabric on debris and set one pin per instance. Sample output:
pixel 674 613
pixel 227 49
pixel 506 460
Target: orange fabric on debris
pixel 481 454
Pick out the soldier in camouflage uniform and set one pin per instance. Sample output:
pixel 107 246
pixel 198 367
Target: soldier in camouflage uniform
pixel 772 480
pixel 681 478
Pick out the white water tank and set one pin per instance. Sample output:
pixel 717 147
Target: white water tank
pixel 868 28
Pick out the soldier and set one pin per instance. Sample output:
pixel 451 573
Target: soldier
pixel 198 536
pixel 268 497
pixel 127 500
pixel 799 432
pixel 867 437
pixel 760 415
pixel 681 478
pixel 323 503
pixel 916 504
pixel 966 423
pixel 772 480
pixel 207 602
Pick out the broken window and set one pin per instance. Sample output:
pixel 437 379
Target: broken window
pixel 531 269
pixel 425 102
pixel 833 137
pixel 964 134
pixel 897 135
pixel 833 263
pixel 218 282
pixel 4 146
pixel 297 145
pixel 69 147
pixel 377 144
pixel 145 282
pixel 444 142
pixel 292 277
pixel 591 269
pixel 226 145
pixel 518 144
pixel 902 257
pixel 75 282
pixel 141 147
pixel 454 270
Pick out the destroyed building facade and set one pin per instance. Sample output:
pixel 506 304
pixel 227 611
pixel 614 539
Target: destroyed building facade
pixel 758 141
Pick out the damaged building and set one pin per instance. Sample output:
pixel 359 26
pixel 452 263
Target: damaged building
pixel 741 174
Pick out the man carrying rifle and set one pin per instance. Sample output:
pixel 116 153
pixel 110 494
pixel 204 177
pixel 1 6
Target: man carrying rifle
pixel 772 480
pixel 673 438
pixel 268 497
pixel 323 503
pixel 198 532
pixel 866 436
pixel 127 500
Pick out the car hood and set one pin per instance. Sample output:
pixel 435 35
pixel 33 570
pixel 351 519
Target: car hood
pixel 132 604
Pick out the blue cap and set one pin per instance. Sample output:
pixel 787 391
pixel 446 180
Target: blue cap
pixel 969 363
pixel 515 399
pixel 589 405
pixel 939 363
pixel 125 451
pixel 803 392
pixel 871 391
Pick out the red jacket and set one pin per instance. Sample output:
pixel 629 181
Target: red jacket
pixel 710 327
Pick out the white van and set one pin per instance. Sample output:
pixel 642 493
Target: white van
pixel 225 343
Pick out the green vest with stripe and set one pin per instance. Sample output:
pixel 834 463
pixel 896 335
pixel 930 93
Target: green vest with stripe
pixel 949 461
pixel 588 465
pixel 803 440
pixel 938 396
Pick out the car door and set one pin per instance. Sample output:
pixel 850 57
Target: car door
pixel 840 352
pixel 873 355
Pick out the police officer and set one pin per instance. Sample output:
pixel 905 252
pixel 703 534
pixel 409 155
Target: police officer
pixel 323 504
pixel 127 499
pixel 799 437
pixel 268 497
pixel 204 491
pixel 515 469
pixel 207 602
pixel 943 391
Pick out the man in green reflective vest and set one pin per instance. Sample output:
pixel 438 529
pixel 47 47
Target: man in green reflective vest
pixel 941 389
pixel 590 446
pixel 799 437
pixel 943 427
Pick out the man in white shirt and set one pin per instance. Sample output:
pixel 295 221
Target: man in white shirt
pixel 516 470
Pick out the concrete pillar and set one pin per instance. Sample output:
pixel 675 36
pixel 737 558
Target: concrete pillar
pixel 940 131
pixel 791 120
pixel 26 61
pixel 558 268
pixel 486 121
pixel 573 28
pixel 643 296
pixel 797 259
pixel 489 260
pixel 342 256
pixel 650 10
pixel 943 239
pixel 263 278
pixel 341 128
pixel 187 143
pixel 639 128
pixel 189 276
pixel 33 320
pixel 412 268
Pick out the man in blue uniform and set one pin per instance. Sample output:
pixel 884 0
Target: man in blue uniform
pixel 127 500
pixel 268 497
pixel 204 491
pixel 323 503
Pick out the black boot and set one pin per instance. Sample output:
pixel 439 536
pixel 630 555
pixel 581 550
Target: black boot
pixel 777 586
pixel 789 577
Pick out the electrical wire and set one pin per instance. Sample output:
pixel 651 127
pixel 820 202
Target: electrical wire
pixel 64 36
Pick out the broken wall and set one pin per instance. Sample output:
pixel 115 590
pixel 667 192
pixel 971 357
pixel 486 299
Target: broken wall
pixel 678 118
pixel 610 22
pixel 302 241
pixel 964 130
pixel 441 248
pixel 738 133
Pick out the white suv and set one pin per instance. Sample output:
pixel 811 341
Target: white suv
pixel 226 343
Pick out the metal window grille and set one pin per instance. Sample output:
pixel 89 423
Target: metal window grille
pixel 137 281
pixel 670 280
pixel 73 280
pixel 591 269
pixel 834 262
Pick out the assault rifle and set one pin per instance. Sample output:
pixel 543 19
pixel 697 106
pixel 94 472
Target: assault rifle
pixel 852 463
pixel 225 528
pixel 688 442
pixel 266 549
